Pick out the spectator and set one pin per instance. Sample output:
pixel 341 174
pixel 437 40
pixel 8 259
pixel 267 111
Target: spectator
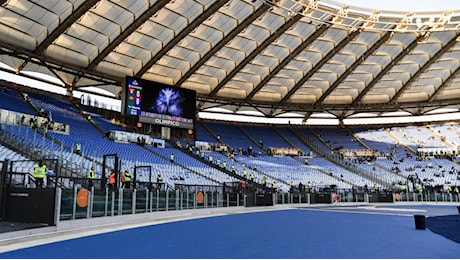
pixel 90 177
pixel 112 180
pixel 159 181
pixel 126 180
pixel 39 174
pixel 78 148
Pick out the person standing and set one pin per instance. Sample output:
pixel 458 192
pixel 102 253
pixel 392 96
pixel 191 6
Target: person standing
pixel 42 112
pixel 39 174
pixel 274 186
pixel 301 187
pixel 90 177
pixel 251 176
pixel 126 179
pixel 78 148
pixel 112 180
pixel 263 181
pixel 159 181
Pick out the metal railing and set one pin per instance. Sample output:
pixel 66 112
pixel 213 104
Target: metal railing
pixel 80 202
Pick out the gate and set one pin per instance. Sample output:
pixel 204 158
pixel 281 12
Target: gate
pixel 22 200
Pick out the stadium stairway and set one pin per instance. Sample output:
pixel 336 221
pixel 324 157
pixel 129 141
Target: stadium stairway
pixel 210 132
pixel 289 134
pixel 89 118
pixel 442 138
pixel 20 138
pixel 147 148
pixel 284 138
pixel 400 142
pixel 381 169
pixel 13 99
pixel 325 172
pixel 256 143
pixel 355 137
pixel 225 170
pixel 246 160
pixel 325 151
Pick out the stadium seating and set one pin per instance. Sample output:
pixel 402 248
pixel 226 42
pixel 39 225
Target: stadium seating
pixel 392 164
pixel 11 99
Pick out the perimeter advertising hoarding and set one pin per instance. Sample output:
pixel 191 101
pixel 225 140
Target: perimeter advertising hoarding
pixel 160 104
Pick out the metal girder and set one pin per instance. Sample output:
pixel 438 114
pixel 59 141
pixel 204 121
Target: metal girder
pixel 325 59
pixel 240 27
pixel 71 19
pixel 307 115
pixel 58 65
pixel 376 107
pixel 128 31
pixel 27 76
pixel 310 108
pixel 358 62
pixel 24 63
pixel 435 57
pixel 54 73
pixel 256 52
pixel 236 102
pixel 382 73
pixel 286 60
pixel 74 16
pixel 451 77
pixel 92 85
pixel 188 29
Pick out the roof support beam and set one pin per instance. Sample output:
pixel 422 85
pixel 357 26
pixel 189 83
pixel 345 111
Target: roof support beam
pixel 288 59
pixel 323 61
pixel 240 27
pixel 309 108
pixel 128 31
pixel 71 19
pixel 256 52
pixel 451 77
pixel 382 73
pixel 58 65
pixel 425 66
pixel 55 73
pixel 358 62
pixel 188 29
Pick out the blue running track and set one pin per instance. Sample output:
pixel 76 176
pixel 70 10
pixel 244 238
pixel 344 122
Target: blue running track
pixel 285 234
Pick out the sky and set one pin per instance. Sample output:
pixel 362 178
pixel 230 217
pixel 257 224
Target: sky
pixel 406 5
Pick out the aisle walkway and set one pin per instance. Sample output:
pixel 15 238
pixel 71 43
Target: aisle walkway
pixel 359 231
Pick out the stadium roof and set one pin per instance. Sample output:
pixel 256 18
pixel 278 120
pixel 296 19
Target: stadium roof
pixel 272 57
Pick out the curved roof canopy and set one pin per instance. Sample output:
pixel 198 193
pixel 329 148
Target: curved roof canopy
pixel 274 57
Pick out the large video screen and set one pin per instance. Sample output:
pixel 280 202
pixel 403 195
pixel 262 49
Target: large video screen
pixel 160 104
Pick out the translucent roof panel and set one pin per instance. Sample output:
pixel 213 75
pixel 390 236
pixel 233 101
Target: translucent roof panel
pixel 290 55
